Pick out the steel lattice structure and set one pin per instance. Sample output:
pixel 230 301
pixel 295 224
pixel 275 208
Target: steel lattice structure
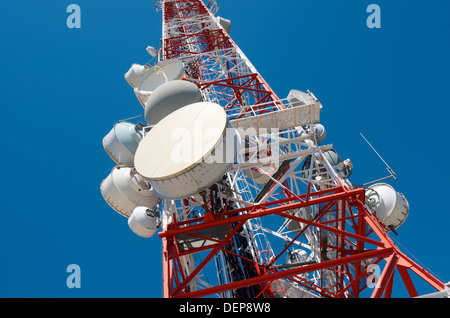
pixel 243 232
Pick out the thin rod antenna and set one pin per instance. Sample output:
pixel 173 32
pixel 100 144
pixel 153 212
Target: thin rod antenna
pixel 134 117
pixel 387 166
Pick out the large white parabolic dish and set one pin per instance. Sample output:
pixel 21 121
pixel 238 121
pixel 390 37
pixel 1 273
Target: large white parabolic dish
pixel 188 151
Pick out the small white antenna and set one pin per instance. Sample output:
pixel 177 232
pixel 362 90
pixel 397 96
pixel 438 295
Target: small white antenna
pixel 389 169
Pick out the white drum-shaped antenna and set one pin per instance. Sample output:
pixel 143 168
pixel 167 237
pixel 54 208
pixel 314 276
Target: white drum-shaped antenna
pixel 320 132
pixel 299 98
pixel 170 97
pixel 330 155
pixel 388 205
pixel 122 141
pixel 188 151
pixel 143 222
pixel 135 74
pixel 124 190
pixel 162 72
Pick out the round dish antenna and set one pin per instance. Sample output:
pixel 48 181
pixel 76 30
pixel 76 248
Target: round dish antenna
pixel 330 155
pixel 124 190
pixel 122 141
pixel 170 97
pixel 320 133
pixel 188 151
pixel 388 205
pixel 144 221
pixel 135 74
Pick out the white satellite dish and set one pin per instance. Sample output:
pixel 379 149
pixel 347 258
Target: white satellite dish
pixel 122 141
pixel 188 151
pixel 124 190
pixel 388 205
pixel 135 74
pixel 144 221
pixel 160 73
pixel 320 133
pixel 170 97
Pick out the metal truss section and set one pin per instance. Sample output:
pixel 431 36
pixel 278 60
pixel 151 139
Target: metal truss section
pixel 212 60
pixel 191 26
pixel 284 221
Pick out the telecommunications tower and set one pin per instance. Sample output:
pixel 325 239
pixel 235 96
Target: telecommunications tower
pixel 247 198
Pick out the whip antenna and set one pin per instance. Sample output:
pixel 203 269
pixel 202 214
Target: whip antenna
pixel 389 169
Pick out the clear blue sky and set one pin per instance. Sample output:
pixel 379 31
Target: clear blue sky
pixel 63 89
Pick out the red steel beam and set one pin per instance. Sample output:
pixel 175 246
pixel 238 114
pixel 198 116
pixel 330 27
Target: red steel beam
pixel 407 281
pixel 288 273
pixel 200 267
pixel 259 210
pixel 404 260
pixel 385 277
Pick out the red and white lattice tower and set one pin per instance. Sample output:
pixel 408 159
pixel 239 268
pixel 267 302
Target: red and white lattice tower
pixel 285 221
